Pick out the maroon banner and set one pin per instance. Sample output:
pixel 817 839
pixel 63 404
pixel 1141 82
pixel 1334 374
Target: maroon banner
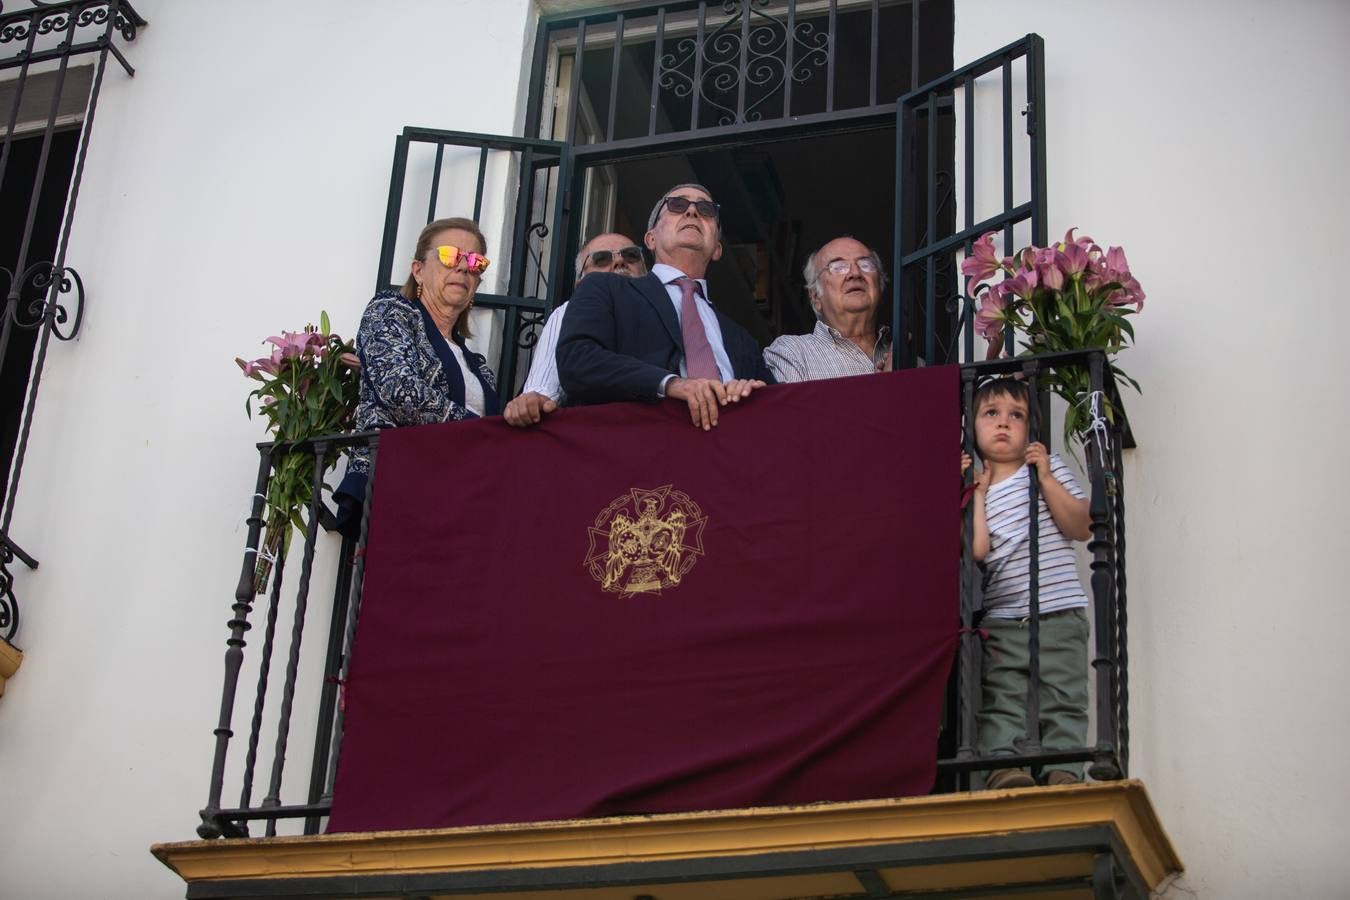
pixel 616 612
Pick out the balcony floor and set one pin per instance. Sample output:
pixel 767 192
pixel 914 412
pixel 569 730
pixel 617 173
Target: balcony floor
pixel 1093 840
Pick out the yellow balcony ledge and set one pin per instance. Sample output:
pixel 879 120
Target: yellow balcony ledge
pixel 1058 838
pixel 10 658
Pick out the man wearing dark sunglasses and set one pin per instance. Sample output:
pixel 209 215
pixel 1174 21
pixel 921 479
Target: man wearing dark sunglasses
pixel 658 336
pixel 542 392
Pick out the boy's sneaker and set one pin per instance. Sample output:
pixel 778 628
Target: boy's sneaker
pixel 1002 779
pixel 1059 776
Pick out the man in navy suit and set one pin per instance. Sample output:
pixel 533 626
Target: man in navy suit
pixel 658 337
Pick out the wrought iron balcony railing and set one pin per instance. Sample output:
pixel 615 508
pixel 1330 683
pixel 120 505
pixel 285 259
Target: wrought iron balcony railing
pixel 310 688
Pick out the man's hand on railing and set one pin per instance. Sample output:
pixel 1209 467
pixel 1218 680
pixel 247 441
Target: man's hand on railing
pixel 528 409
pixel 705 395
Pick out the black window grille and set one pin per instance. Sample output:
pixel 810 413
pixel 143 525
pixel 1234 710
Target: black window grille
pixel 48 107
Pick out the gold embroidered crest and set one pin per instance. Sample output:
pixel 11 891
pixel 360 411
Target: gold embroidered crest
pixel 645 541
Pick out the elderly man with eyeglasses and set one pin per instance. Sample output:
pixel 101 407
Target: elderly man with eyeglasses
pixel 844 281
pixel 542 392
pixel 659 336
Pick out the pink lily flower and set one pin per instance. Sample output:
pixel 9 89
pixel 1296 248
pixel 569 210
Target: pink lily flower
pixel 1050 274
pixel 982 263
pixel 991 315
pixel 1023 284
pixel 1069 240
pixel 1073 259
pixel 257 365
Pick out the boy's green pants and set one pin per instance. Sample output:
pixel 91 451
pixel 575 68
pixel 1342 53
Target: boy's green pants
pixel 1064 685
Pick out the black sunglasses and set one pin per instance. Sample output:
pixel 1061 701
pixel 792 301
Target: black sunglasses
pixel 705 208
pixel 632 253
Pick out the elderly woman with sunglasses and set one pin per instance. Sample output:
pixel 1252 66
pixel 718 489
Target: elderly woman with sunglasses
pixel 415 366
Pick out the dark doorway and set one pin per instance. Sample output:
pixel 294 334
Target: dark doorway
pixel 16 193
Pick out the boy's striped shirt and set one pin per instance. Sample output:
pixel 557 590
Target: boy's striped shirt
pixel 1007 580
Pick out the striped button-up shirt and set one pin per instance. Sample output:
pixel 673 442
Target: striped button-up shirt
pixel 824 353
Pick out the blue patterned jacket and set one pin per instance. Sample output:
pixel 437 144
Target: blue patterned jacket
pixel 403 378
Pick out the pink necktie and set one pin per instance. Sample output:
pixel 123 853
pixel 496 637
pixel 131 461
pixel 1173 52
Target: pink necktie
pixel 698 356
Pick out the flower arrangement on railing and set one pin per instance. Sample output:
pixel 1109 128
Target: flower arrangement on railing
pixel 309 388
pixel 1069 296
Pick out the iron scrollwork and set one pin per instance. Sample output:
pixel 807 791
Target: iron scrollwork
pixel 41 18
pixel 531 323
pixel 9 604
pixel 48 306
pixel 764 40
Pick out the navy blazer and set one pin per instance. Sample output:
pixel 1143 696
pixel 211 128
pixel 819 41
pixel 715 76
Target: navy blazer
pixel 620 338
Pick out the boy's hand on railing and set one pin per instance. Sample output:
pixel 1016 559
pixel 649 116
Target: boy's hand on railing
pixel 1039 457
pixel 981 482
pixel 1071 514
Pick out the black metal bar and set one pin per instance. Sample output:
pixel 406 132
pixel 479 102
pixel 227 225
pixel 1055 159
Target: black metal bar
pixel 349 633
pixel 1036 129
pixel 18 551
pixel 575 97
pixel 982 66
pixel 25 243
pixel 1016 214
pixel 904 357
pixel 1009 238
pixel 656 71
pixel 789 53
pixel 699 36
pixel 482 181
pixel 614 76
pixel 930 224
pixel 477 139
pixel 968 687
pixel 914 44
pixel 534 109
pixel 1032 743
pixel 829 65
pixel 391 211
pixel 18 101
pixel 211 827
pixel 968 333
pixel 560 228
pixel 332 679
pixel 270 813
pixel 264 674
pixel 520 228
pixel 52 114
pixel 436 184
pixel 733 135
pixel 743 67
pixel 1104 765
pixel 273 797
pixel 1042 757
pixel 876 36
pixel 1121 623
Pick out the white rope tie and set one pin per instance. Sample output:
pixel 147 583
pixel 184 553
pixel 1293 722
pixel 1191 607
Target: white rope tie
pixel 263 554
pixel 1098 426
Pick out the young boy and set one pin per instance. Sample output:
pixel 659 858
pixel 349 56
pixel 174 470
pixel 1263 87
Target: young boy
pixel 1001 543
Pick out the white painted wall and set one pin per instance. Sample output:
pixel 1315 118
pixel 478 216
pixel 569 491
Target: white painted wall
pixel 1210 140
pixel 236 186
